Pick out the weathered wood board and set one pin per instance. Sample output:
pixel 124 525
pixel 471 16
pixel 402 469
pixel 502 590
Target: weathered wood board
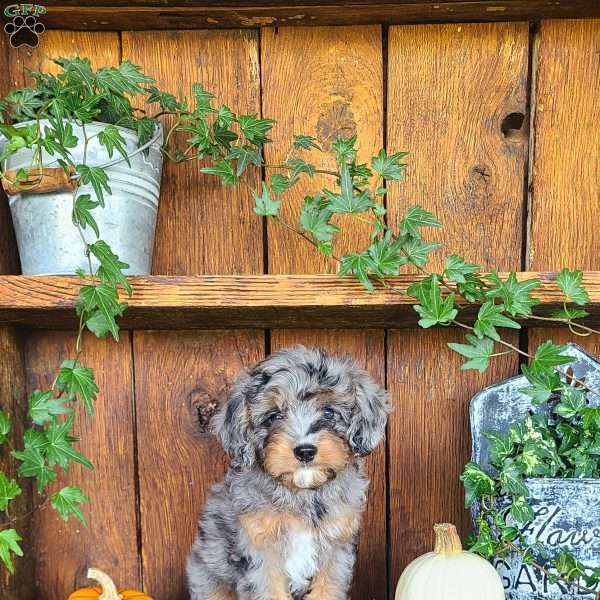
pixel 463 169
pixel 202 229
pixel 343 96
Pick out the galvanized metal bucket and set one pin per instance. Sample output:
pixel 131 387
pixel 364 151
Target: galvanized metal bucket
pixel 49 243
pixel 567 511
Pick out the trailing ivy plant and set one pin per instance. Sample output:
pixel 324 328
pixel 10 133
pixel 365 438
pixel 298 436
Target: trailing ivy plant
pixel 42 118
pixel 230 146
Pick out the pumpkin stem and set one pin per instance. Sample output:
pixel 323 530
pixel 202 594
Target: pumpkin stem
pixel 109 590
pixel 447 540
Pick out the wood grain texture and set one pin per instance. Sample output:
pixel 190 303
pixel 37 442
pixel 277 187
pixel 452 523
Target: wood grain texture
pixel 367 348
pixel 64 551
pixel 290 301
pixel 462 168
pixel 566 183
pixel 181 378
pixel 429 437
pixel 188 14
pixel 566 168
pixel 203 227
pixel 13 401
pixel 342 95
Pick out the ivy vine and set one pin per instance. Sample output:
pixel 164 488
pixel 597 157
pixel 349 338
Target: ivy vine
pixel 562 443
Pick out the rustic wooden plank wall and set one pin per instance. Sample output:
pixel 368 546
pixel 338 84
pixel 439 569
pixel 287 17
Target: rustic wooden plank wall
pixel 449 90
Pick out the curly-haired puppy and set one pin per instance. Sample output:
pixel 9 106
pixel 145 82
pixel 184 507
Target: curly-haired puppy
pixel 283 523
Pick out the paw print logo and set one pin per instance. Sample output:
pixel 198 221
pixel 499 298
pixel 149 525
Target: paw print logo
pixel 24 31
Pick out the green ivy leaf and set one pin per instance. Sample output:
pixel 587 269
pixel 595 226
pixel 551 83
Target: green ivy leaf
pixel 415 218
pixel 591 418
pixel 110 271
pixel 9 545
pixel 244 155
pixel 473 289
pixel 315 220
pixel 516 295
pixel 501 446
pixel 43 406
pixel 344 149
pixel 264 205
pixel 97 178
pixel 511 480
pixel 478 351
pixel 417 251
pixel 456 269
pixel 280 183
pixel 101 299
pixel 9 490
pixel 110 137
pixel 434 309
pixel 59 450
pixel 491 316
pixel 520 510
pixel 224 170
pixel 570 283
pixel 5 426
pixel 386 255
pixel 477 483
pixel 167 102
pixel 68 502
pixel 543 384
pixel 389 167
pixel 359 265
pixel 254 129
pixel 346 201
pixel 82 212
pixel 306 142
pixel 569 313
pixel 548 355
pixel 34 465
pixel 572 401
pixel 484 543
pixel 300 166
pixel 202 99
pixel 78 382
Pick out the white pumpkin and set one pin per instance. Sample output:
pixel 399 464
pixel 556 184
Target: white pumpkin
pixel 449 573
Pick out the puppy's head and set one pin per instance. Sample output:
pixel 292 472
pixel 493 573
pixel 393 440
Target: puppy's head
pixel 303 415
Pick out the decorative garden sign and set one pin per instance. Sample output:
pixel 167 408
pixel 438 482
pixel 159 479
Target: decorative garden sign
pixel 567 511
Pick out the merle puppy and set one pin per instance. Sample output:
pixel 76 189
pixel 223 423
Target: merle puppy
pixel 283 523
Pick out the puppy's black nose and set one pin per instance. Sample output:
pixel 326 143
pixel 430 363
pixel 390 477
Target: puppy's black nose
pixel 305 453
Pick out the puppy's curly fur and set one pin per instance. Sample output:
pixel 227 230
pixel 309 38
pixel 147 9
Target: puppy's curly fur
pixel 283 523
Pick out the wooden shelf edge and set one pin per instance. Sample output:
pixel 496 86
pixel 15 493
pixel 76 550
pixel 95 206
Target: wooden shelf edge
pixel 203 14
pixel 249 301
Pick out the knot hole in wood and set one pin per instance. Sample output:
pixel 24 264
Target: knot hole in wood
pixel 203 406
pixel 514 127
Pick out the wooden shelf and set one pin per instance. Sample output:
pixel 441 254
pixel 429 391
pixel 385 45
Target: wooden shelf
pixel 203 14
pixel 261 301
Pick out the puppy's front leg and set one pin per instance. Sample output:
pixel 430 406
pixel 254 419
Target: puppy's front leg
pixel 333 579
pixel 265 529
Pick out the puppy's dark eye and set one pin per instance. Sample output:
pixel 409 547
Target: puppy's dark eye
pixel 328 413
pixel 276 415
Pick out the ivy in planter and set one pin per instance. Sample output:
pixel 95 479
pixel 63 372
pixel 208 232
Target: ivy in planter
pixel 78 95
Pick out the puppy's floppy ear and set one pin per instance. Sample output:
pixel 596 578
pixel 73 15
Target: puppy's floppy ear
pixel 369 417
pixel 232 425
